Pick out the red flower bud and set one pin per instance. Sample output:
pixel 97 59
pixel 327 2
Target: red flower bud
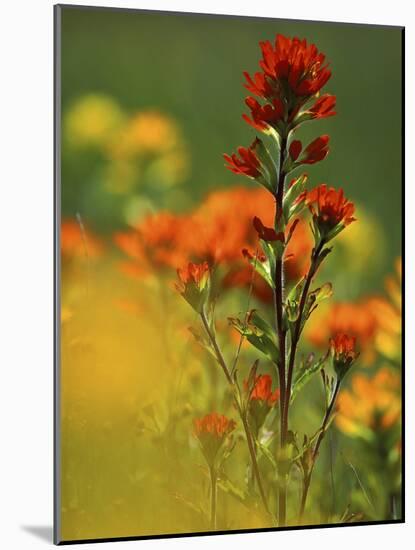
pixel 317 150
pixel 295 149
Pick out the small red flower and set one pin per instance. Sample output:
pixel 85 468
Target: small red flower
pixel 294 62
pixel 343 349
pixel 261 400
pixel 211 431
pixel 194 284
pixel 264 116
pixel 247 164
pixel 324 106
pixel 267 233
pixel 329 208
pixel 262 390
pixel 193 274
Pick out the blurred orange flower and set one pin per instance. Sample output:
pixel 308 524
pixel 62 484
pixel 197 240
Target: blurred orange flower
pixel 371 405
pixel 78 242
pixel 217 232
pixel 155 243
pixel 355 319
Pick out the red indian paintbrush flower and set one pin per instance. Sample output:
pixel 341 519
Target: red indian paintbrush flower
pixel 261 399
pixel 294 62
pixel 343 350
pixel 247 164
pixel 266 116
pixel 314 152
pixel 262 390
pixel 211 431
pixel 331 211
pixel 194 284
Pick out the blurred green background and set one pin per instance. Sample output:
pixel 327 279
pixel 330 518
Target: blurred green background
pixel 190 67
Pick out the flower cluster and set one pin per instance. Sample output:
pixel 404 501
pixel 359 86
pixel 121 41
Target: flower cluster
pixel 293 74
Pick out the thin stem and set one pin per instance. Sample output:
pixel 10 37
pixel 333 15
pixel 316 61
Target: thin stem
pixel 279 315
pixel 320 438
pixel 218 352
pixel 213 496
pixel 297 329
pixel 247 430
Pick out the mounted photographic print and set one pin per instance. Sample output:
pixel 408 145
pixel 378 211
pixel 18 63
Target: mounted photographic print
pixel 229 202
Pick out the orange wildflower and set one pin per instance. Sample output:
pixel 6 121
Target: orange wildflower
pixel 343 349
pixel 262 390
pixel 78 242
pixel 355 319
pixel 154 243
pixel 261 399
pixel 371 405
pixel 194 284
pixel 330 209
pixel 212 431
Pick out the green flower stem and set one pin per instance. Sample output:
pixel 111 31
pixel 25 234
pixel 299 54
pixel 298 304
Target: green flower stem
pixel 297 329
pixel 320 438
pixel 248 434
pixel 213 496
pixel 279 310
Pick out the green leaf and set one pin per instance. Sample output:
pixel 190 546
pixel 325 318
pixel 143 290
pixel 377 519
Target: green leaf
pixel 258 333
pixel 290 207
pixel 268 455
pixel 230 488
pixel 305 374
pixel 314 298
pixel 263 269
pixel 267 162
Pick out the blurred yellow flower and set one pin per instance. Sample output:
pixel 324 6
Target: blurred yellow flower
pixel 92 120
pixel 388 312
pixel 372 404
pixel 147 132
pixel 361 251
